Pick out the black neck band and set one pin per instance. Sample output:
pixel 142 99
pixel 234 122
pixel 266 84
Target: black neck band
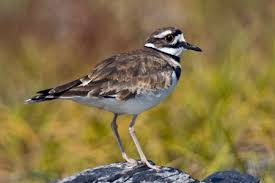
pixel 176 58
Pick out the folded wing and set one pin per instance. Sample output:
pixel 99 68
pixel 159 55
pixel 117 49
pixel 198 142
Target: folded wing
pixel 122 77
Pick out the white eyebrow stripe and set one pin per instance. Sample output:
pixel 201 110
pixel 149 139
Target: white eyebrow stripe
pixel 163 34
pixel 150 45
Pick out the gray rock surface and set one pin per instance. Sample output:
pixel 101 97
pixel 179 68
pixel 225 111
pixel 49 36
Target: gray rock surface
pixel 123 172
pixel 231 177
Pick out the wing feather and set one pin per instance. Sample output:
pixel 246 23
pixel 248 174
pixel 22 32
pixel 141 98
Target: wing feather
pixel 124 76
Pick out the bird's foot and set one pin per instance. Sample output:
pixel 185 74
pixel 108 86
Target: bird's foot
pixel 129 160
pixel 132 161
pixel 150 165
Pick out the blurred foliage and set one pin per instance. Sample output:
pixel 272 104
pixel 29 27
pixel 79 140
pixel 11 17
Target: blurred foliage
pixel 220 117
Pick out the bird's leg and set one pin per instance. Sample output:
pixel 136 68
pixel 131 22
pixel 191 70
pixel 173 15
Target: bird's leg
pixel 114 129
pixel 140 152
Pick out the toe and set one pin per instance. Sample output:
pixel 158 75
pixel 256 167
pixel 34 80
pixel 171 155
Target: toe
pixel 155 167
pixel 149 165
pixel 131 161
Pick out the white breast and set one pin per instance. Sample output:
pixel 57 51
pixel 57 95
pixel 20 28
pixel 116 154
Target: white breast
pixel 136 105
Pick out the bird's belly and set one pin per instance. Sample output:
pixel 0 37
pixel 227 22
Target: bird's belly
pixel 135 105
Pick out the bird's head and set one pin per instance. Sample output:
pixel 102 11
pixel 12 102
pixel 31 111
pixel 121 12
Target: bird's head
pixel 169 40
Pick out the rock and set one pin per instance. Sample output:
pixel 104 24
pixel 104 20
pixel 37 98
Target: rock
pixel 123 172
pixel 231 177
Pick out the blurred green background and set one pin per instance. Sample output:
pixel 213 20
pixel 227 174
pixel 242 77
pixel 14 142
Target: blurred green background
pixel 220 117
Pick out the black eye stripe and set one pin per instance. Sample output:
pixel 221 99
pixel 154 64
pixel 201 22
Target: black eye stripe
pixel 176 33
pixel 177 45
pixel 165 37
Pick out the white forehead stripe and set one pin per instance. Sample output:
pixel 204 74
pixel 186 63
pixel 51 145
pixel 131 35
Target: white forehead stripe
pixel 163 34
pixel 178 38
pixel 182 38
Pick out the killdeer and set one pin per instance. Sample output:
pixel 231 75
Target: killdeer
pixel 129 83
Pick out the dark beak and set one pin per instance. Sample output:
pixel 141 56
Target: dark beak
pixel 189 46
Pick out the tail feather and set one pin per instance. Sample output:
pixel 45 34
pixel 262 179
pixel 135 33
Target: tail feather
pixel 53 93
pixel 44 91
pixel 43 95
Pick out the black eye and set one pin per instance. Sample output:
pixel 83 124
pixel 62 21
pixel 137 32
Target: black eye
pixel 169 38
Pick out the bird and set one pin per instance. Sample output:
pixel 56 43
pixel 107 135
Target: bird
pixel 129 83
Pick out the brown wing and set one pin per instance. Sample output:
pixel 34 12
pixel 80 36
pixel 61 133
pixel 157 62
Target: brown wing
pixel 124 76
